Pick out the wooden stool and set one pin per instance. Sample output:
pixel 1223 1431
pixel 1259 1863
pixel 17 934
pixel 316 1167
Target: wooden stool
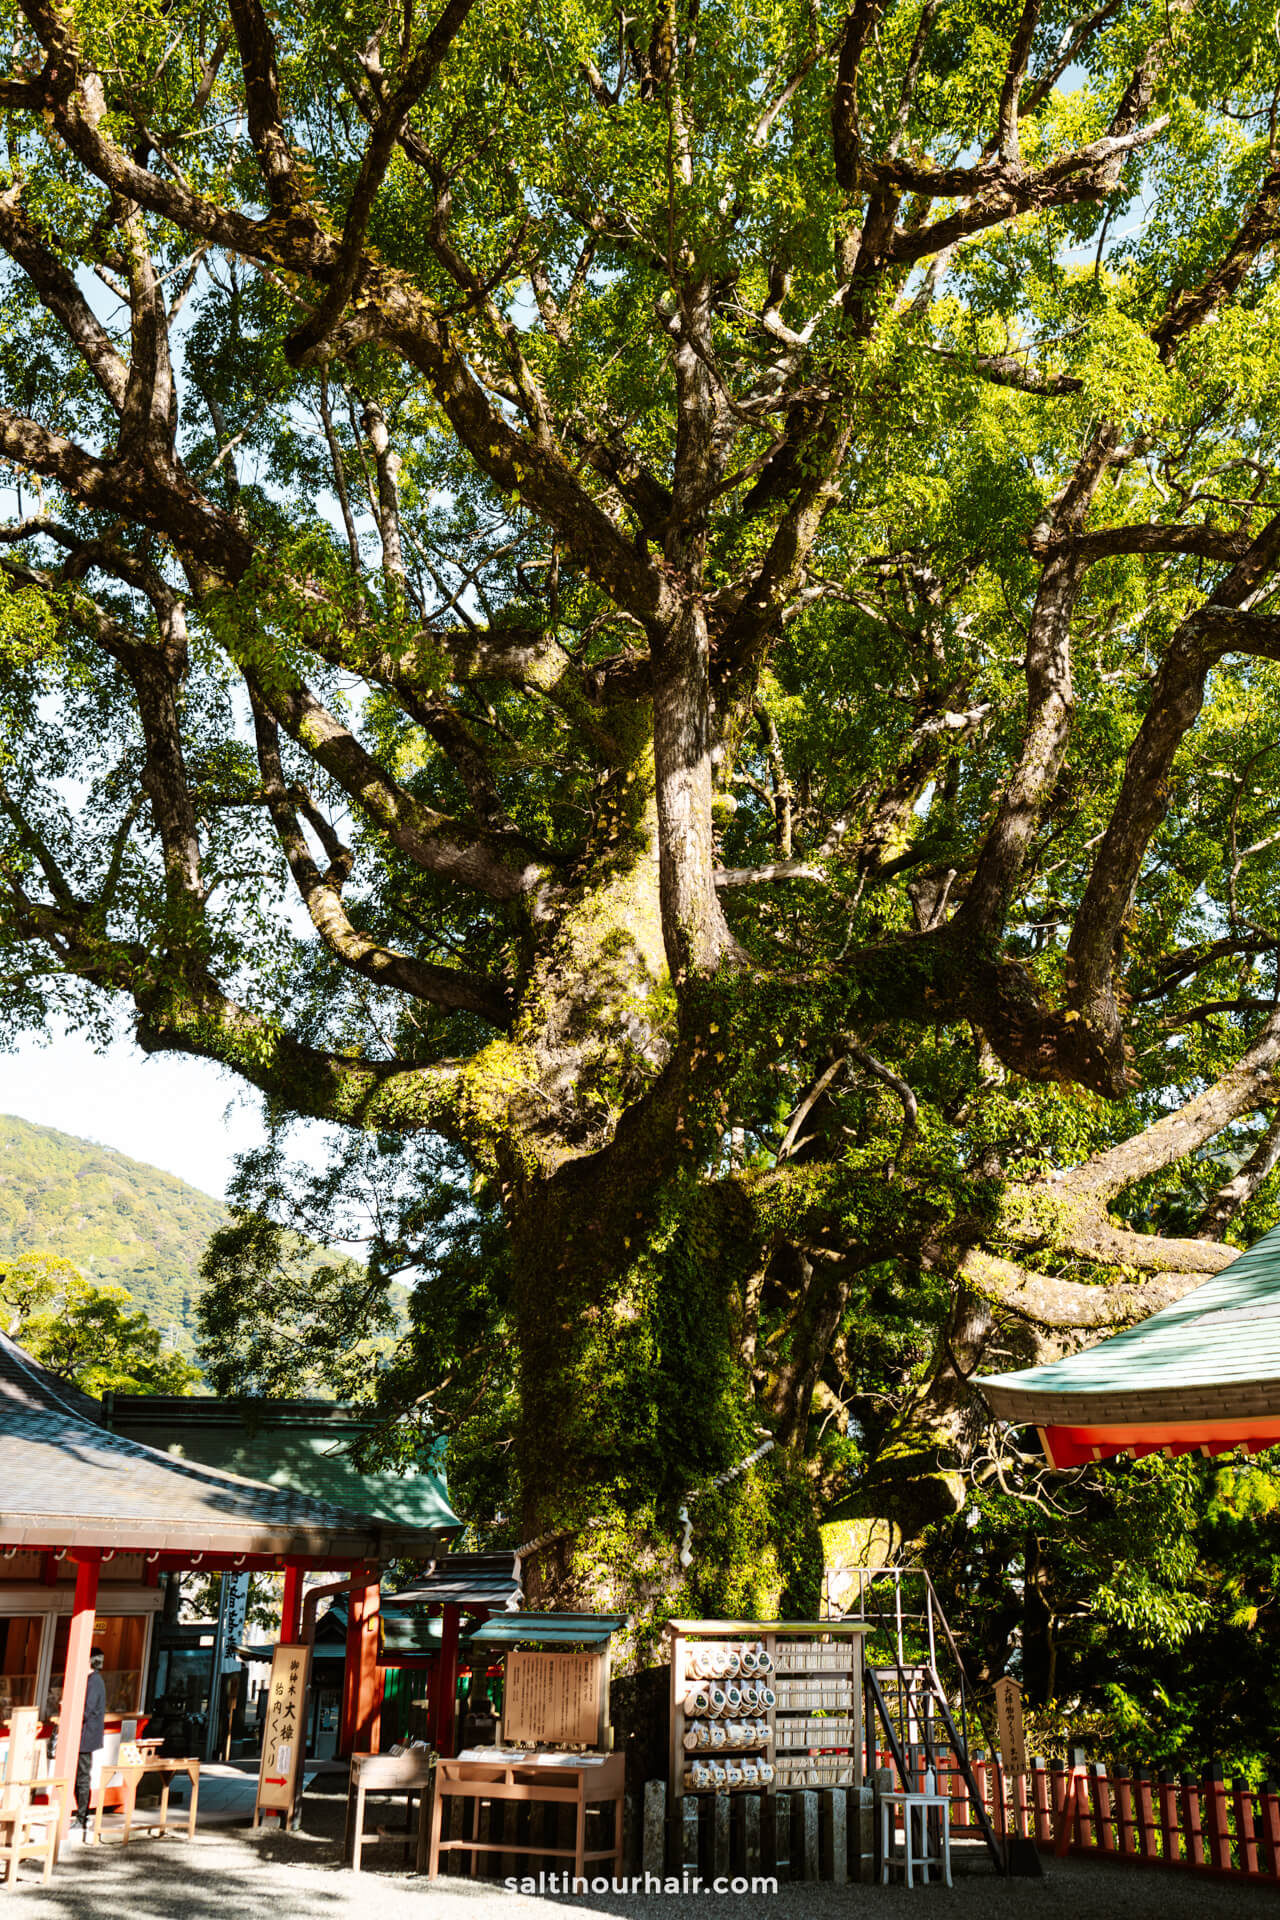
pixel 914 1806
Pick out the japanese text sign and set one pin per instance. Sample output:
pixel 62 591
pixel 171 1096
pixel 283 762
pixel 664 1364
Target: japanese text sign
pixel 553 1699
pixel 284 1736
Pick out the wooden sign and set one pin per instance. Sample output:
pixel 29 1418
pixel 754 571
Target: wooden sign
pixel 284 1735
pixel 1013 1750
pixel 553 1699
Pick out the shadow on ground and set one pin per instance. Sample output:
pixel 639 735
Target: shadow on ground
pixel 232 1872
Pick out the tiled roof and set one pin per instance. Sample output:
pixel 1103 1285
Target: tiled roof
pixel 303 1444
pixel 468 1579
pixel 1214 1354
pixel 66 1481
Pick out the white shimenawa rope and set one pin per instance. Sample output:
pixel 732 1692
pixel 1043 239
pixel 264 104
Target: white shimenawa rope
pixel 721 1480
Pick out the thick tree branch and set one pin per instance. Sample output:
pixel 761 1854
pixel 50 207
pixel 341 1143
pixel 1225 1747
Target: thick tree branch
pixel 1061 1304
pixel 490 864
pixel 322 896
pixel 1177 695
pixel 387 130
pixel 262 98
pixel 58 292
pixel 1248 1085
pixel 1241 1187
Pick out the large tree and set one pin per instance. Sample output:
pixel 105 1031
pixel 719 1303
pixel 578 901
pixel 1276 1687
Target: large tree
pixel 680 605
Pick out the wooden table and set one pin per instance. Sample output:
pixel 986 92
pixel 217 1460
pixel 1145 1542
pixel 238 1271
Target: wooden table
pixel 578 1780
pixel 131 1774
pixel 388 1773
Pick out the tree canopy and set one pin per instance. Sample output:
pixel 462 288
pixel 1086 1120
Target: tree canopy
pixel 93 1336
pixel 669 622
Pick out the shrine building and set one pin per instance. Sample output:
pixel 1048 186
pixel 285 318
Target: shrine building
pixel 1202 1375
pixel 89 1521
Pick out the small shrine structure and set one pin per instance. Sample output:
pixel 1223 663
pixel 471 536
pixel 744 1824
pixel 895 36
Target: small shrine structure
pixel 1202 1375
pixel 90 1519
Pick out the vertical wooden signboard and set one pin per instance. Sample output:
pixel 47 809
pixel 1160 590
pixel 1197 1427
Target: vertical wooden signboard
pixel 553 1699
pixel 1013 1749
pixel 284 1735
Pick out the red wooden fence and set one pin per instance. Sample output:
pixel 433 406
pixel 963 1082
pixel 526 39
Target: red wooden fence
pixel 1196 1824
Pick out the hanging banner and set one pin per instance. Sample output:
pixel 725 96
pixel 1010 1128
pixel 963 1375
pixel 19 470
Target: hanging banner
pixel 235 1619
pixel 1013 1750
pixel 553 1699
pixel 284 1734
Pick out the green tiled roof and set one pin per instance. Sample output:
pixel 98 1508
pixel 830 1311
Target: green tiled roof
pixel 67 1480
pixel 550 1629
pixel 1214 1354
pixel 303 1445
pixel 404 1632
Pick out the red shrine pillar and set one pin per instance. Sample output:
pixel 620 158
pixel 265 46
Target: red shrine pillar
pixel 361 1676
pixel 291 1609
pixel 76 1673
pixel 444 1682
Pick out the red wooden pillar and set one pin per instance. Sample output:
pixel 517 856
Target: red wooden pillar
pixel 1192 1832
pixel 1102 1807
pixel 445 1689
pixel 361 1677
pixel 1040 1797
pixel 1124 1814
pixel 76 1673
pixel 1146 1815
pixel 291 1609
pixel 998 1802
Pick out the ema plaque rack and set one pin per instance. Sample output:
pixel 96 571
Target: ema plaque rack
pixel 765 1704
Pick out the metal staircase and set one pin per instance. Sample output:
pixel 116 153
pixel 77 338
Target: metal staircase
pixel 916 1683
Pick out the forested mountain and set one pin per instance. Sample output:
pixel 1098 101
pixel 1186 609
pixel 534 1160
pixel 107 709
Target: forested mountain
pixel 114 1218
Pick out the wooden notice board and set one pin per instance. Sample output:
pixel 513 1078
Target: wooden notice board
pixel 284 1736
pixel 1013 1750
pixel 554 1699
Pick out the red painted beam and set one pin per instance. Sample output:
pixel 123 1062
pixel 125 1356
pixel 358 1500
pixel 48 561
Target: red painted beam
pixel 1076 1446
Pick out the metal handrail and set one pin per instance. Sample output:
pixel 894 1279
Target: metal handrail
pixel 931 1618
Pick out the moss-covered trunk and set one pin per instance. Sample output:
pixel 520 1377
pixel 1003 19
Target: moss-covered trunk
pixel 636 1399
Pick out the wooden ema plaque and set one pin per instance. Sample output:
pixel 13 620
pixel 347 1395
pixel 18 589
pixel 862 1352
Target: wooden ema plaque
pixel 553 1699
pixel 284 1737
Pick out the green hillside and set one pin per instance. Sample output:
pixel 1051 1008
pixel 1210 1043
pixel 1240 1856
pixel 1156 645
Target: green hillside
pixel 117 1220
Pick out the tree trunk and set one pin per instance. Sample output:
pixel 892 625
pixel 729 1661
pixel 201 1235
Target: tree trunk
pixel 630 1285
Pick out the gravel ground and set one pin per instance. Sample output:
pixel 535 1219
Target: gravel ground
pixel 232 1873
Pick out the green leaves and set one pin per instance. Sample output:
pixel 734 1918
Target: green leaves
pixel 92 1336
